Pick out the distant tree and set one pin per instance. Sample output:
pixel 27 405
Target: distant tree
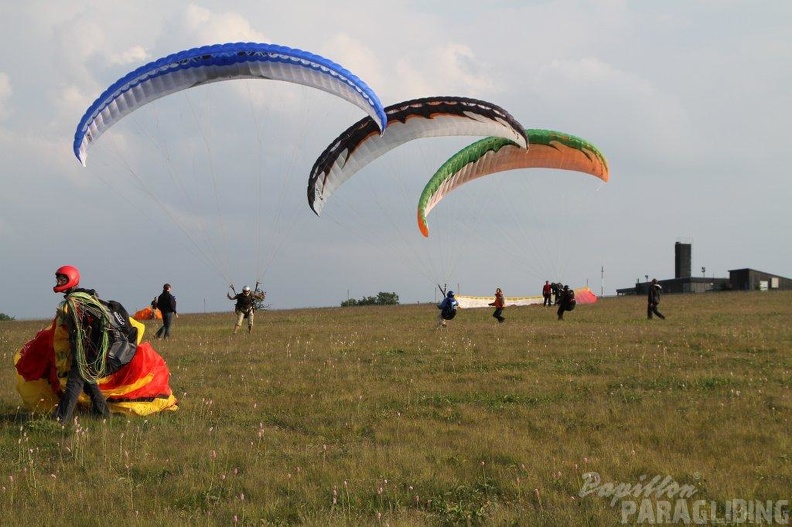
pixel 4 317
pixel 387 299
pixel 382 299
pixel 260 305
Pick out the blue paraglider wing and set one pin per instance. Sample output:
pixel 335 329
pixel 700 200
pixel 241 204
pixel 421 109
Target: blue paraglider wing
pixel 197 66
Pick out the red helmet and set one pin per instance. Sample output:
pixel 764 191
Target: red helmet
pixel 72 275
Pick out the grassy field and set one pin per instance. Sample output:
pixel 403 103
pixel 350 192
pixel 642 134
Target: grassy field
pixel 372 416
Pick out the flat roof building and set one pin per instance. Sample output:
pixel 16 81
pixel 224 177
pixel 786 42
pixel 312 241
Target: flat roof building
pixel 738 280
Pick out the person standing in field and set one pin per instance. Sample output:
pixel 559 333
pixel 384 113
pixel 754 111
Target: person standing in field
pixel 547 294
pixel 166 303
pixel 653 300
pixel 499 304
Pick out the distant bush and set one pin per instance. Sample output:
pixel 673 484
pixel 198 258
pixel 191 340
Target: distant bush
pixel 4 317
pixel 382 299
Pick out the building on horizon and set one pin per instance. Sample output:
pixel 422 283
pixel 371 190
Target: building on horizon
pixel 683 282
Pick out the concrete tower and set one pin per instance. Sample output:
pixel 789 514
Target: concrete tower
pixel 683 261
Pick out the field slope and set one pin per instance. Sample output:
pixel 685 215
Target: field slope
pixel 373 416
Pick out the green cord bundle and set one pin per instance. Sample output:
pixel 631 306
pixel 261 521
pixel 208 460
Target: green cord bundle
pixel 78 305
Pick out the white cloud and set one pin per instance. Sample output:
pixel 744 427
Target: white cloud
pixel 199 26
pixel 135 55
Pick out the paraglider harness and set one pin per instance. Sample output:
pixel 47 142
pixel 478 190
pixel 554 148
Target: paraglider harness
pixel 100 335
pixel 569 302
pixel 558 291
pixel 446 305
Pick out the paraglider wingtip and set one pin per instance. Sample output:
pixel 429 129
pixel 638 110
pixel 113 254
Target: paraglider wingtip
pixel 422 226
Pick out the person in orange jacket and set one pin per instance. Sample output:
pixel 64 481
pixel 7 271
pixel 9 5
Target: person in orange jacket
pixel 499 304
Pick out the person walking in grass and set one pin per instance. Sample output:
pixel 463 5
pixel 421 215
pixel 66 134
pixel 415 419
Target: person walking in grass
pixel 166 303
pixel 245 307
pixel 499 304
pixel 653 300
pixel 101 341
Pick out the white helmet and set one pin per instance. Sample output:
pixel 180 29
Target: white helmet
pixel 246 289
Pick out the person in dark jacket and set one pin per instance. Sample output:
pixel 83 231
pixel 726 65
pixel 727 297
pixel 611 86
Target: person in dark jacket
pixel 653 300
pixel 566 301
pixel 166 303
pixel 448 308
pixel 245 307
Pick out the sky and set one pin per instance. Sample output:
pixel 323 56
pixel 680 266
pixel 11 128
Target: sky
pixel 689 101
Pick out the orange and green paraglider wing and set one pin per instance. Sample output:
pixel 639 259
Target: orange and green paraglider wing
pixel 546 149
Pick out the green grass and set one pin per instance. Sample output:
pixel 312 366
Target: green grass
pixel 372 416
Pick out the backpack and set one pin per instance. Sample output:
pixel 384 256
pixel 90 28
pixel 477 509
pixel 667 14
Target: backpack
pixel 122 336
pixel 570 300
pixel 448 309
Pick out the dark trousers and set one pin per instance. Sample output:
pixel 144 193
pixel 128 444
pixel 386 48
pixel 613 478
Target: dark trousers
pixel 652 309
pixel 498 314
pixel 74 385
pixel 164 331
pixel 547 301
